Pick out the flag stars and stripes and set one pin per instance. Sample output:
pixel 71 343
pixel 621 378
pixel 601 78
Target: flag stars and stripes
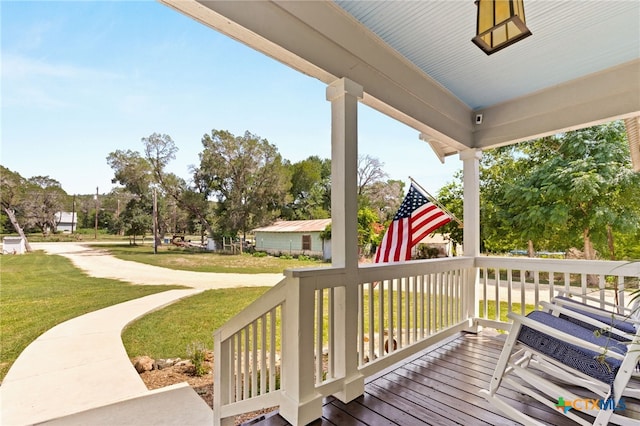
pixel 416 218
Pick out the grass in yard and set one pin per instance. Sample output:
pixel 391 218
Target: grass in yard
pixel 188 259
pixel 504 309
pixel 40 291
pixel 167 333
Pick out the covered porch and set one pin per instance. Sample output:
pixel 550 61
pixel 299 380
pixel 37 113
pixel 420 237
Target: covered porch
pixel 319 341
pixel 438 386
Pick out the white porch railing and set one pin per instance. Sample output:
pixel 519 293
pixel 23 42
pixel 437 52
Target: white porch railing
pixel 320 332
pixel 519 284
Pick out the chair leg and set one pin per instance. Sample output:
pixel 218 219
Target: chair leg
pixel 503 361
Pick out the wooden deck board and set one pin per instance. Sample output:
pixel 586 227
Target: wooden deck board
pixel 437 387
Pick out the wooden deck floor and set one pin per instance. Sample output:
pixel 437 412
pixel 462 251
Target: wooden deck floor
pixel 437 387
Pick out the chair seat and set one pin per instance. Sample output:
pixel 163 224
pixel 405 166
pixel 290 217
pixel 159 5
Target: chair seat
pixel 584 360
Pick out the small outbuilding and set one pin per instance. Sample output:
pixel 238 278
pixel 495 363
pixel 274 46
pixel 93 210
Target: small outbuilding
pixel 292 237
pixel 13 245
pixel 66 221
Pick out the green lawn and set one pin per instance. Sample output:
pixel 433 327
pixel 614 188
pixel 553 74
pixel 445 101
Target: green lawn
pixel 167 333
pixel 39 291
pixel 201 261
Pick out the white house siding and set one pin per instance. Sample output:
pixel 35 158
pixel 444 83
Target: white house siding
pixel 66 221
pixel 287 243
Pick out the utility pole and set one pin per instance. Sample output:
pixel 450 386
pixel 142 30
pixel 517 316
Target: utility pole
pixel 155 222
pixel 95 235
pixel 73 212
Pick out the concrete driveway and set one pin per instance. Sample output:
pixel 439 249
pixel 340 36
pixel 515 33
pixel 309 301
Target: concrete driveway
pixel 98 263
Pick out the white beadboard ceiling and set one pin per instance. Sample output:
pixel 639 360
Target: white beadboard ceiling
pixel 570 39
pixel 416 62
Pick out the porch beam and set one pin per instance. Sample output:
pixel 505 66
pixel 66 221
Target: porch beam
pixel 588 101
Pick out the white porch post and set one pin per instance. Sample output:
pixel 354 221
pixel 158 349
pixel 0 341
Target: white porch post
pixel 300 403
pixel 471 248
pixel 344 95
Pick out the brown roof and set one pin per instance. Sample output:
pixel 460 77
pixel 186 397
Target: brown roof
pixel 315 225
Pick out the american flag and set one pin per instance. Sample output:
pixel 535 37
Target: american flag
pixel 416 218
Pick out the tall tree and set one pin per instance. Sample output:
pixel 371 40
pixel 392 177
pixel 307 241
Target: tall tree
pixel 246 175
pixel 45 198
pixel 159 151
pixel 131 170
pixel 384 198
pixel 580 183
pixel 11 196
pixel 310 196
pixel 369 172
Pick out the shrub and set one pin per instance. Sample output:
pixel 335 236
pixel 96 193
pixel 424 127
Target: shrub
pixel 260 254
pixel 197 353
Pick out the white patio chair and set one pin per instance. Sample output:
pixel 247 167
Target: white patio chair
pixel 624 318
pixel 547 352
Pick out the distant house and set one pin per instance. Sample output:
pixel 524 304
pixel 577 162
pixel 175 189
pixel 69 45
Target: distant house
pixel 66 221
pixel 440 242
pixel 292 237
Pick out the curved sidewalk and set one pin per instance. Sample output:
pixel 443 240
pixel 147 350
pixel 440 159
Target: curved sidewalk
pixel 101 265
pixel 78 372
pixel 80 364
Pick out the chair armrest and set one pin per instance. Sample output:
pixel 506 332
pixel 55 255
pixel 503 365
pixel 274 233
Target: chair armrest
pixel 598 325
pixel 627 317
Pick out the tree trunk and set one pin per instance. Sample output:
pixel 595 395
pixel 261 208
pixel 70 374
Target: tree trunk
pixel 612 249
pixel 530 251
pixel 589 254
pixel 16 226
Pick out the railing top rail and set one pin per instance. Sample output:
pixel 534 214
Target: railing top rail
pixel 605 267
pixel 313 272
pixel 272 298
pixel 385 271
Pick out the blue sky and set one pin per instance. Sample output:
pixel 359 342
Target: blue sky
pixel 81 79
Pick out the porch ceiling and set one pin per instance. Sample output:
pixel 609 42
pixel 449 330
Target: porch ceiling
pixel 417 64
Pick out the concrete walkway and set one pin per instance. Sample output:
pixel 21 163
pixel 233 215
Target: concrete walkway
pixel 100 265
pixel 79 372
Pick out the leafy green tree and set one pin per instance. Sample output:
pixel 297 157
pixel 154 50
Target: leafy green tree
pixel 136 219
pixel 579 185
pixel 572 189
pixel 45 198
pixel 367 235
pixel 159 151
pixel 309 194
pixel 131 170
pixel 450 196
pixel 247 177
pixel 384 198
pixel 498 169
pixel 12 195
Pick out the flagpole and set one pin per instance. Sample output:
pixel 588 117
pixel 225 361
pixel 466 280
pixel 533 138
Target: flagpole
pixel 436 202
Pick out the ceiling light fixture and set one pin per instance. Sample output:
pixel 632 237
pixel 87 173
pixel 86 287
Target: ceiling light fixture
pixel 500 24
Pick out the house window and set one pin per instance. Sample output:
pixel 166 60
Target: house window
pixel 306 242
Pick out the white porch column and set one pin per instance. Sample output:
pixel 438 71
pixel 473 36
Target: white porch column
pixel 471 247
pixel 471 171
pixel 344 95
